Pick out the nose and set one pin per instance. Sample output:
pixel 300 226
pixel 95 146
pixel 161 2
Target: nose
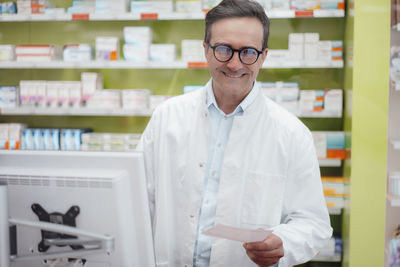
pixel 234 64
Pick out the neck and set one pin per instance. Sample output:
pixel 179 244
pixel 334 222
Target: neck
pixel 228 102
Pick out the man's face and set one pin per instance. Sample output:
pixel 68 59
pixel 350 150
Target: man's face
pixel 233 77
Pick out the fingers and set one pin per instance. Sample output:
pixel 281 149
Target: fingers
pixel 262 261
pixel 270 243
pixel 266 252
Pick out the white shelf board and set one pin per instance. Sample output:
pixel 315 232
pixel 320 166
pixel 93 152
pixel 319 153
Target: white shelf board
pixel 395 144
pixel 320 114
pixel 122 64
pixel 106 112
pixel 302 64
pixel 273 14
pixel 335 211
pixel 394 200
pixel 329 162
pixel 73 112
pixel 327 258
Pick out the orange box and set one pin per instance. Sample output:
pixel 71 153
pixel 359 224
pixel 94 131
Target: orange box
pixel 336 154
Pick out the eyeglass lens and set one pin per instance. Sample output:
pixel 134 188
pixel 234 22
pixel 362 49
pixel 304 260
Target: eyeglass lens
pixel 224 53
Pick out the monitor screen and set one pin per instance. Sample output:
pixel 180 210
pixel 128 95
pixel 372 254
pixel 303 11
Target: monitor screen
pixel 99 192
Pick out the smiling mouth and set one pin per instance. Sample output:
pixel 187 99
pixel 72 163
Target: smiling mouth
pixel 234 76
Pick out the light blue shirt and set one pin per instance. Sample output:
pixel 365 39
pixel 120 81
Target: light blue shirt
pixel 220 127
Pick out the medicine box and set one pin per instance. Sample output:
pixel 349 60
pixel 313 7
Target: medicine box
pixel 136 99
pixel 107 48
pixel 78 53
pixel 162 52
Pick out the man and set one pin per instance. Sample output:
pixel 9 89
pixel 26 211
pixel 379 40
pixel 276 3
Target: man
pixel 225 154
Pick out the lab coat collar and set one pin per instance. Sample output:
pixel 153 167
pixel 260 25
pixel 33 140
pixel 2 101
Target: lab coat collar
pixel 248 105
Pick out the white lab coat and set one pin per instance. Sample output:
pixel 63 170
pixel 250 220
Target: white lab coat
pixel 270 179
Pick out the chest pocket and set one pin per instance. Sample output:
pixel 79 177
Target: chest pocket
pixel 262 200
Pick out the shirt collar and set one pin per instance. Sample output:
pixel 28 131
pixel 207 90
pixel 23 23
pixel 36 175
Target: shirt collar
pixel 246 102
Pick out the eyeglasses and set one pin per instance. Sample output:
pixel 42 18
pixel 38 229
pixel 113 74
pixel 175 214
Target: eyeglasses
pixel 224 53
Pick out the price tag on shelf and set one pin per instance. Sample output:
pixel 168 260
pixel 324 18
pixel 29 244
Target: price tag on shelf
pixel 149 16
pixel 304 13
pixel 80 16
pixel 197 65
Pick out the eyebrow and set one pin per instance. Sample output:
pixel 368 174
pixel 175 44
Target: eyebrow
pixel 242 47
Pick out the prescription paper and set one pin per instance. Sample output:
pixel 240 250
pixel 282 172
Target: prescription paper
pixel 237 234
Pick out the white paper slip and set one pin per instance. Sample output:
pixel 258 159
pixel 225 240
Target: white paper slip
pixel 237 234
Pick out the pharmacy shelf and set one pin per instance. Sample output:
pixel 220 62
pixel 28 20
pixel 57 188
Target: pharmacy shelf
pixel 395 144
pixel 121 64
pixel 329 162
pixel 118 112
pixel 327 258
pixel 34 111
pixel 274 14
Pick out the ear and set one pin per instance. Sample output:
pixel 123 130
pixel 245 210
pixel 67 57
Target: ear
pixel 264 56
pixel 205 50
pixel 265 52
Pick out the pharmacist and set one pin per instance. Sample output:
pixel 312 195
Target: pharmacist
pixel 225 154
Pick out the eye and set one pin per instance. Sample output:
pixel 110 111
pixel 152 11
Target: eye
pixel 223 50
pixel 249 52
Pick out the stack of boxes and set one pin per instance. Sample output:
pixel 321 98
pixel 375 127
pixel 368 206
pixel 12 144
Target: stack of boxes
pixel 77 53
pixel 308 47
pixel 107 48
pixel 152 6
pixel 193 51
pixel 81 7
pixel 190 5
pixel 109 142
pixel 7 52
pixel 111 6
pixel 37 53
pixel 8 97
pixel 105 99
pixel 327 102
pixel 137 43
pixel 51 139
pixel 285 94
pixel 335 191
pixel 55 94
pixel 329 145
pixel 136 99
pixel 304 102
pixel 10 135
pixel 8 8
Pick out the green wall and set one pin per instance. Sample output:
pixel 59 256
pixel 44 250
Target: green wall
pixel 364 223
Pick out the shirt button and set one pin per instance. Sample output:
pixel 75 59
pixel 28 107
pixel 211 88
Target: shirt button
pixel 213 173
pixel 191 216
pixel 207 201
pixel 201 164
pixel 205 114
pixel 198 257
pixel 219 145
pixel 225 117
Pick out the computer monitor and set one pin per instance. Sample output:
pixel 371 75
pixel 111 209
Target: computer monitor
pixel 103 192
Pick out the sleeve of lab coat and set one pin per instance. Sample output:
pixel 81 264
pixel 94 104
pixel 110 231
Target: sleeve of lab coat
pixel 305 224
pixel 147 145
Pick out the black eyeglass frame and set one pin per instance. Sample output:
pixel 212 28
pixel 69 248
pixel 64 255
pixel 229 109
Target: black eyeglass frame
pixel 233 52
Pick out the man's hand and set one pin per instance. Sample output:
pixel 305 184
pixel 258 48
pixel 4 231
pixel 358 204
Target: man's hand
pixel 266 252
